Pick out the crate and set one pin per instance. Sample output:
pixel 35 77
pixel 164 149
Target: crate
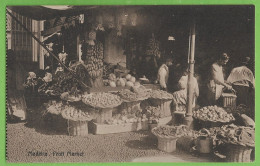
pixel 96 128
pixel 229 100
pixel 77 128
pixel 164 105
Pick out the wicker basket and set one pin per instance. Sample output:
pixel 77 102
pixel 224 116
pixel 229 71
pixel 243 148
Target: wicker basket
pixel 165 106
pixel 77 128
pixel 167 144
pixel 238 153
pixel 229 100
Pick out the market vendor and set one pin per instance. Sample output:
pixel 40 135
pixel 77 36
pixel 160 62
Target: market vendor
pixel 243 81
pixel 180 96
pixel 216 81
pixel 163 73
pixel 149 67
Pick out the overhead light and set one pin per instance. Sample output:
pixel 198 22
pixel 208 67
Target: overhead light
pixel 58 7
pixel 171 38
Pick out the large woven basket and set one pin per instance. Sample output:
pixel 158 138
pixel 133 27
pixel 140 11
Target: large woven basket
pixel 238 153
pixel 165 143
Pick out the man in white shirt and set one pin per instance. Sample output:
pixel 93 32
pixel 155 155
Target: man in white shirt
pixel 243 81
pixel 163 73
pixel 216 82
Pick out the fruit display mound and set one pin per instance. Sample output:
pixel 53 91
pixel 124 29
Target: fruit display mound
pixel 213 114
pixel 75 114
pixel 237 135
pixel 171 131
pixel 101 100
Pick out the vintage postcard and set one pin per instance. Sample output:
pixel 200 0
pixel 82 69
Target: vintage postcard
pixel 130 83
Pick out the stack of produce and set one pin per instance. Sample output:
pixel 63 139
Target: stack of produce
pixel 102 100
pixel 75 114
pixel 213 114
pixel 64 82
pixel 153 47
pixel 93 58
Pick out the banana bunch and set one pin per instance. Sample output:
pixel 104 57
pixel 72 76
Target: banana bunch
pixel 94 60
pixel 153 47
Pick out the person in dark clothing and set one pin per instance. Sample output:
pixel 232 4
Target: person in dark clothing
pixel 149 68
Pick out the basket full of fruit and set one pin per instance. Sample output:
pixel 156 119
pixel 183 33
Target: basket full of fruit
pixel 239 141
pixel 168 135
pixel 212 116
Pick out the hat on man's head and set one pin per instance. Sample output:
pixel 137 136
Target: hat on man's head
pixel 224 56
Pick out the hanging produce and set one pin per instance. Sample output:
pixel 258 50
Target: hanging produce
pixel 153 47
pixel 93 57
pixel 99 23
pixel 133 19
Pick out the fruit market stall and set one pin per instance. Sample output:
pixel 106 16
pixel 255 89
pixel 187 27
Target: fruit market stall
pixel 91 96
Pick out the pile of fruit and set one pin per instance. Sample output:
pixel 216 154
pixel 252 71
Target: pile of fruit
pixel 171 131
pixel 122 119
pixel 93 58
pixel 134 94
pixel 102 100
pixel 114 81
pixel 238 135
pixel 72 113
pixel 214 114
pixel 160 94
pixel 54 107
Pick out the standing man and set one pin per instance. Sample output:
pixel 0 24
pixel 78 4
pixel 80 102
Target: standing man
pixel 163 73
pixel 216 81
pixel 243 81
